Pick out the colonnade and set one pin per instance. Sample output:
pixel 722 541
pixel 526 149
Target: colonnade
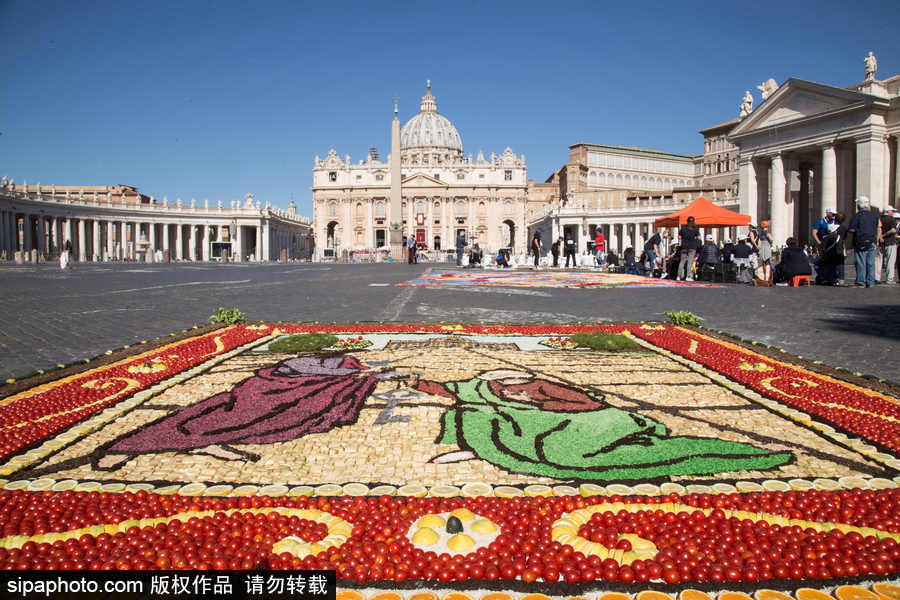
pixel 113 239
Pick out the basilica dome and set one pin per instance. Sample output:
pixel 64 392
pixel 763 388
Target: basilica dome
pixel 429 130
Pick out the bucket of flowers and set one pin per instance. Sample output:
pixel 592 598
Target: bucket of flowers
pixel 560 343
pixel 351 343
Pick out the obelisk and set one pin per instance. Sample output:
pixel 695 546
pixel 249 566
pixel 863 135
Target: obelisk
pixel 396 212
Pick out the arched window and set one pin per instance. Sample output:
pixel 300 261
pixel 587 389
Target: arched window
pixel 332 209
pixel 628 180
pixel 460 207
pixel 403 207
pixel 482 208
pixel 507 208
pixel 379 209
pixel 619 179
pixel 643 182
pixel 420 207
pixel 359 209
pixel 437 207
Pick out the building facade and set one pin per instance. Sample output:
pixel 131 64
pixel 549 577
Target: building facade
pixel 438 193
pixel 811 146
pixel 621 190
pixel 38 222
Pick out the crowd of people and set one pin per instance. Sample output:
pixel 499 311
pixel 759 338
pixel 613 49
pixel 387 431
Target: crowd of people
pixel 870 235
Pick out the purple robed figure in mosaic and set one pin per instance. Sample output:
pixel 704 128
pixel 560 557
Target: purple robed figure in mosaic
pixel 281 403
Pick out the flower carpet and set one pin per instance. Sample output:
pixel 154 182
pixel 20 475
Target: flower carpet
pixel 463 461
pixel 545 279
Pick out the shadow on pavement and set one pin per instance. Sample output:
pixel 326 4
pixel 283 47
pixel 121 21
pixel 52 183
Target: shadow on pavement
pixel 881 321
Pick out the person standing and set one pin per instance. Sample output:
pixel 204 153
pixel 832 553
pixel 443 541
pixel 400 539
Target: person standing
pixel 570 250
pixel 764 243
pixel 866 230
pixel 689 237
pixel 599 247
pixel 651 249
pixel 889 245
pixel 536 248
pixel 820 229
pixel 554 251
pixel 460 247
pixel 65 255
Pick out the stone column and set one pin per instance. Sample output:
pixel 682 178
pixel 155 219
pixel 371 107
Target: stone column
pixel 613 241
pixel 204 239
pixel 110 244
pixel 266 249
pixel 151 237
pixel 96 248
pixel 829 177
pixel 179 243
pixel 749 199
pixel 40 238
pixel 27 239
pixel 779 207
pixel 804 211
pixel 370 234
pixel 192 243
pixel 870 170
pixel 121 240
pixel 167 234
pixel 259 244
pixel 81 251
pixel 239 241
pixel 4 232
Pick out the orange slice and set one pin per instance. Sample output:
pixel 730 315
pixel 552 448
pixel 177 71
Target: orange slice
pixel 693 595
pixel 387 596
pixel 887 590
pixel 771 595
pixel 614 596
pixel 733 596
pixel 456 596
pixel 424 596
pixel 496 596
pixel 652 595
pixel 854 592
pixel 811 594
pixel 535 597
pixel 349 595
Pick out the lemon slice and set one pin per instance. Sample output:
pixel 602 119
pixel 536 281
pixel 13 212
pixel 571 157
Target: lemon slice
pixel 507 491
pixel 416 490
pixel 876 483
pixel 246 490
pixel 460 543
pixel 218 490
pixel 135 487
pixel 39 485
pixel 425 536
pixel 565 490
pixel 356 489
pixel 853 482
pixel 192 489
pixel 774 485
pixel 431 522
pixel 724 488
pixel 18 485
pixel 696 488
pixel 65 484
pixel 748 486
pixel 477 488
pixel 538 490
pixel 329 489
pixel 646 489
pixel 383 490
pixel 591 489
pixel 301 490
pixel 801 485
pixel 483 526
pixel 444 491
pixel 167 490
pixel 276 489
pixel 617 489
pixel 463 514
pixel 828 485
pixel 672 488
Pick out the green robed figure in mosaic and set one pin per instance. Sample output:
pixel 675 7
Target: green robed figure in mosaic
pixel 531 425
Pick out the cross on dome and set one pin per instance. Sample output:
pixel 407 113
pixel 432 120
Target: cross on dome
pixel 429 104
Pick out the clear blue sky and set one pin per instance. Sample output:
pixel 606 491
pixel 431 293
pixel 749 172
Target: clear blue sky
pixel 218 99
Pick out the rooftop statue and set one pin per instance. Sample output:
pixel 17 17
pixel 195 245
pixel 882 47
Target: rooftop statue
pixel 767 88
pixel 871 66
pixel 747 104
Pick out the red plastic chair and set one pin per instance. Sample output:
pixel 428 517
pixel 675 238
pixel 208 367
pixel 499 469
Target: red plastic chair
pixel 798 280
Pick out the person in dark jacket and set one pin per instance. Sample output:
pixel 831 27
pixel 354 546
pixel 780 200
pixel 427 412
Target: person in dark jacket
pixel 727 250
pixel 460 247
pixel 689 236
pixel 832 255
pixel 629 262
pixel 554 250
pixel 710 253
pixel 570 251
pixel 866 230
pixel 793 262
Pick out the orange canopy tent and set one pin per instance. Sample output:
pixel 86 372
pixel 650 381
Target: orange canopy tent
pixel 705 213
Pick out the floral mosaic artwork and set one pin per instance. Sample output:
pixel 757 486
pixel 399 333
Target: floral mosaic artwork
pixel 482 459
pixel 545 278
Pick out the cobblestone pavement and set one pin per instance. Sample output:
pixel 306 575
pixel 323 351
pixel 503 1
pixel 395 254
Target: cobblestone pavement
pixel 54 317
